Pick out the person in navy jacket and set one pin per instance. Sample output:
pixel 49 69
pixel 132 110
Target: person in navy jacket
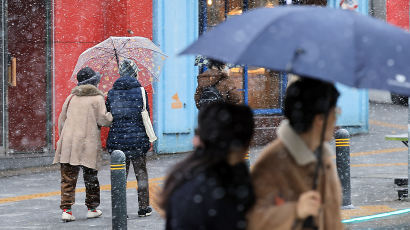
pixel 127 131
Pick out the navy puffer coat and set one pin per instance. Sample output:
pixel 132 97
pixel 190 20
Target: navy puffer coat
pixel 127 132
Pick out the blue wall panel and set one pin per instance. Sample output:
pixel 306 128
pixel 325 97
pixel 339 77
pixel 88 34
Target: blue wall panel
pixel 175 27
pixel 353 102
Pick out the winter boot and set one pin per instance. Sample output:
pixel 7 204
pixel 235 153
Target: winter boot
pixel 144 211
pixel 93 213
pixel 67 215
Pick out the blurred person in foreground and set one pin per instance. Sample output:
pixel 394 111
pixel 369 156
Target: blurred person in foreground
pixel 127 132
pixel 79 145
pixel 283 176
pixel 211 188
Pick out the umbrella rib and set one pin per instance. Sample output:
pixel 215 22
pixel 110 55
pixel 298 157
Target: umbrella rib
pixel 156 51
pixel 97 57
pixel 124 45
pixel 91 59
pixel 104 49
pixel 153 74
pixel 112 42
pixel 107 62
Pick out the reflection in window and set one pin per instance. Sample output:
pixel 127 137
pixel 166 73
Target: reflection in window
pixel 263 88
pixel 236 74
pixel 263 3
pixel 219 10
pixel 216 12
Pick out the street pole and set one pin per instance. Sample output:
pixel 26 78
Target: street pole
pixel 343 164
pixel 118 191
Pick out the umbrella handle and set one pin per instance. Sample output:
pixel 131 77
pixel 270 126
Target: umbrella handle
pixel 309 223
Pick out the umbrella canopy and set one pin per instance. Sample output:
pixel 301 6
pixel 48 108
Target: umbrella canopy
pixel 106 56
pixel 329 44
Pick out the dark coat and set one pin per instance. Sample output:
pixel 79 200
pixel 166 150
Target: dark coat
pixel 215 199
pixel 127 131
pixel 222 82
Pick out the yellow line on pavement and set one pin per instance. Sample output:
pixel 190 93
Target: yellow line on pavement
pixel 365 211
pixel 389 125
pixel 381 151
pixel 379 165
pixel 28 197
pixel 130 184
pixel 154 194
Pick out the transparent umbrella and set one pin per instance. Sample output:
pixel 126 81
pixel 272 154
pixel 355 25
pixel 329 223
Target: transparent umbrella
pixel 106 56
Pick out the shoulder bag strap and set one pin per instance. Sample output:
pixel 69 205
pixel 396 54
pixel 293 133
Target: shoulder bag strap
pixel 143 99
pixel 68 103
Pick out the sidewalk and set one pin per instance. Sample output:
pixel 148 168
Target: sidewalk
pixel 32 201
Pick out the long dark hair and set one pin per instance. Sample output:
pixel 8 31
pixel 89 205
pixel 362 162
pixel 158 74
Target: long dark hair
pixel 222 129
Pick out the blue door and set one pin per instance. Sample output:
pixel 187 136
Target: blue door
pixel 175 27
pixel 353 102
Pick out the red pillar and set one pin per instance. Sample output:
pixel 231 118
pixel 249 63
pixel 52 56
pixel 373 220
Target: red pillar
pixel 79 25
pixel 397 13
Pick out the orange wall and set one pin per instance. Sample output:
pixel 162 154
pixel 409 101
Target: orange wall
pixel 79 25
pixel 397 13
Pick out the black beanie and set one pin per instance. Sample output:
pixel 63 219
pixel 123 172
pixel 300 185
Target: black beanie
pixel 88 76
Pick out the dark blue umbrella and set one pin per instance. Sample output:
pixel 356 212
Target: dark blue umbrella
pixel 329 44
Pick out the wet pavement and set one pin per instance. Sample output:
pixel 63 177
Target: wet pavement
pixel 31 200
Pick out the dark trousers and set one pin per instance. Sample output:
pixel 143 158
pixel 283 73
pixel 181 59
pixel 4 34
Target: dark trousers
pixel 69 176
pixel 140 170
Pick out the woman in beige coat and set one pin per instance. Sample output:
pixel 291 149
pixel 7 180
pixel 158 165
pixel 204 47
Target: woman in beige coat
pixel 79 146
pixel 284 175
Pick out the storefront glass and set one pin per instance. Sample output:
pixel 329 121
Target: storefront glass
pixel 261 88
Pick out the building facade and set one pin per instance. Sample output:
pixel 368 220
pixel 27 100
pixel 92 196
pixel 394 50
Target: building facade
pixel 41 41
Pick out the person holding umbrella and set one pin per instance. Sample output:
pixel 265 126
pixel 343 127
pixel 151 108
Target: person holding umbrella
pixel 79 146
pixel 127 132
pixel 289 167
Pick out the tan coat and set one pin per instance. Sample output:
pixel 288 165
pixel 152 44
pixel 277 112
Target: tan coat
pixel 225 86
pixel 283 172
pixel 78 127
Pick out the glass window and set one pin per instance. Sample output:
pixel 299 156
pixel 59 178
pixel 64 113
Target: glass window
pixel 215 12
pixel 263 3
pixel 260 88
pixel 263 88
pixel 236 74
